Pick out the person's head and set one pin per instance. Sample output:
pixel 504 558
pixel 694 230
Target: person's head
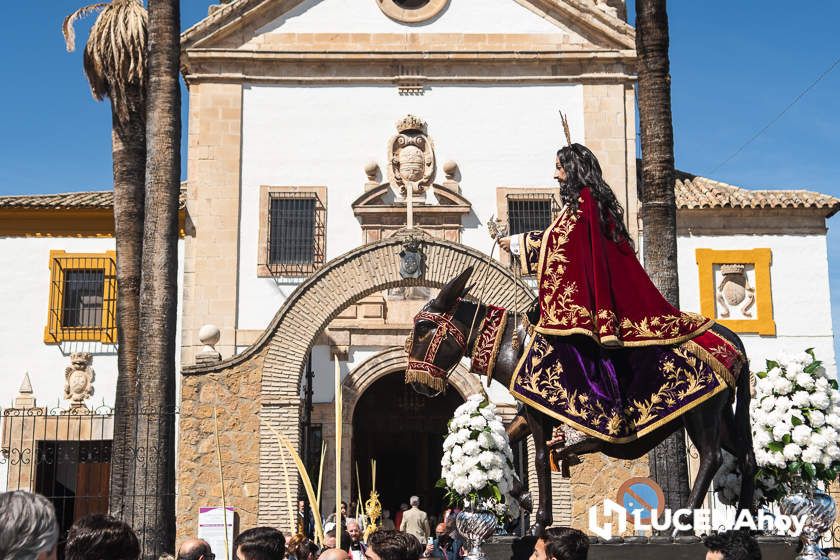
pixel 732 545
pixel 392 545
pixel 386 514
pixel 440 530
pixel 832 552
pixel 28 529
pixel 561 543
pixel 334 554
pixel 98 536
pixel 353 529
pixel 260 543
pixel 301 505
pixel 577 167
pixel 403 506
pixel 343 508
pixel 195 549
pixel 301 548
pixel 414 501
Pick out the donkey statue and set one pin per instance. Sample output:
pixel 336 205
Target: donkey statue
pixel 711 425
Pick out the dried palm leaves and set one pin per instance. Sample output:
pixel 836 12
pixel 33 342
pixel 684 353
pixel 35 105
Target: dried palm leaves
pixel 115 54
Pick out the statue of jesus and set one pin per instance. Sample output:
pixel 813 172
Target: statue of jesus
pixel 608 356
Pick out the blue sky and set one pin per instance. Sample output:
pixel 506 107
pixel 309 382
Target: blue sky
pixel 734 66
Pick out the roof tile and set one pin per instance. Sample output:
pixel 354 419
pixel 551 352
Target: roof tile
pixel 695 192
pixel 85 199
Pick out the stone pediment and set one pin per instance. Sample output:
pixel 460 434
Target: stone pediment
pixel 301 26
pixel 381 197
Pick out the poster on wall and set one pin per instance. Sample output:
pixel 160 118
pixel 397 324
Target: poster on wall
pixel 212 526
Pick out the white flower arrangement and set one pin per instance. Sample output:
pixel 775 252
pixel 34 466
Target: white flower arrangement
pixel 477 463
pixel 795 423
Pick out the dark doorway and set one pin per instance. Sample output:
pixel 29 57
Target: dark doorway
pixel 74 475
pixel 404 432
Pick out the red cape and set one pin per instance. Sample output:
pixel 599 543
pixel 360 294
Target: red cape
pixel 592 285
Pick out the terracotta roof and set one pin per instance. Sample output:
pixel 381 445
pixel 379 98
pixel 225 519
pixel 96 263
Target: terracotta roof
pixel 75 200
pixel 694 192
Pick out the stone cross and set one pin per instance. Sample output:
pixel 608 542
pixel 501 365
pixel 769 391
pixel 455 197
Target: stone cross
pixel 409 204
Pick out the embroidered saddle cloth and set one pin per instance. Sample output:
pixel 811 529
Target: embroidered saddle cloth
pixel 621 394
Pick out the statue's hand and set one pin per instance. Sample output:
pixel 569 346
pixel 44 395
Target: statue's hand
pixel 504 243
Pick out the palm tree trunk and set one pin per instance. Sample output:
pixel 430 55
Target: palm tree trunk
pixel 129 156
pixel 659 212
pixel 154 515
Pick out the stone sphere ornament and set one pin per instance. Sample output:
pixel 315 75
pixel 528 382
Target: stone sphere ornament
pixel 371 170
pixel 209 335
pixel 449 169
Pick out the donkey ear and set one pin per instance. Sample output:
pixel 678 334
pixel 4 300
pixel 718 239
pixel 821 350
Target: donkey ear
pixel 454 289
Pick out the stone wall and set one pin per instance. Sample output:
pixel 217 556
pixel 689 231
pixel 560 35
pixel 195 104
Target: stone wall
pixel 598 478
pixel 235 392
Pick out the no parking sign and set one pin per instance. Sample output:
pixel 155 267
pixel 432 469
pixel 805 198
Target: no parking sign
pixel 640 496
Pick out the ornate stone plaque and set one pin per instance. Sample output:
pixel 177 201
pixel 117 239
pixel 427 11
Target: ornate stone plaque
pixel 411 158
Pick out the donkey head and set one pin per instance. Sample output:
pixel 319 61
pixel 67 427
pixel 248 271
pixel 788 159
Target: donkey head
pixel 438 340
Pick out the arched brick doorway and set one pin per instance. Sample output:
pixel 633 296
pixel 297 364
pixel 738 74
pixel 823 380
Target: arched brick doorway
pixel 404 432
pixel 280 354
pixel 399 428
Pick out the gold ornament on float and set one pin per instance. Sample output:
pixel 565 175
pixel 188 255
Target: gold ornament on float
pixel 373 509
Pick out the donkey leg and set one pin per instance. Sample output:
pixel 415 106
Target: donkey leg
pixel 739 440
pixel 703 425
pixel 540 430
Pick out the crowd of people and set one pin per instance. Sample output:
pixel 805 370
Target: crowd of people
pixel 29 531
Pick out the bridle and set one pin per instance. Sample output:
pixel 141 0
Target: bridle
pixel 443 327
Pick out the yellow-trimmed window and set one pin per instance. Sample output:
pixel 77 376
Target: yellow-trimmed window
pixel 83 298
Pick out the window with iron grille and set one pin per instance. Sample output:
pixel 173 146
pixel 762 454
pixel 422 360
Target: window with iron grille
pixel 296 233
pixel 82 298
pixel 530 211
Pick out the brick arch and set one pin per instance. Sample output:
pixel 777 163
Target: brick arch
pixel 392 360
pixel 284 345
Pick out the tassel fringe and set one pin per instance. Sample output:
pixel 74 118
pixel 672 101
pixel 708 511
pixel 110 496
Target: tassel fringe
pixel 414 376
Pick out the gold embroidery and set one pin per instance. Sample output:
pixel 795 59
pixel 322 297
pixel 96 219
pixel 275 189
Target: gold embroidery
pixel 559 309
pixel 680 384
pixel 661 326
pixel 546 384
pixel 534 354
pixel 607 321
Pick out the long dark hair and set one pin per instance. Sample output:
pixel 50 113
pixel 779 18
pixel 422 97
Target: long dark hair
pixel 583 170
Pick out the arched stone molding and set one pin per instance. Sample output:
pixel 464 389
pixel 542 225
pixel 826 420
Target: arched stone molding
pixel 356 383
pixel 393 360
pixel 284 345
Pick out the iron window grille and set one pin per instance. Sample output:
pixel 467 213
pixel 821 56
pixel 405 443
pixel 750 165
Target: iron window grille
pixel 530 211
pixel 83 295
pixel 296 240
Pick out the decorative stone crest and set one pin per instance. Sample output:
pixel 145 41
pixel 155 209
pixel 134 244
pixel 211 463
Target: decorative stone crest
pixel 411 259
pixel 78 379
pixel 734 290
pixel 411 157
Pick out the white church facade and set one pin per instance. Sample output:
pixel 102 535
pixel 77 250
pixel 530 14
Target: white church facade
pixel 295 214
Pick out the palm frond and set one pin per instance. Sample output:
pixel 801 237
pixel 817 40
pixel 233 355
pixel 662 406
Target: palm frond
pixel 115 54
pixel 67 27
